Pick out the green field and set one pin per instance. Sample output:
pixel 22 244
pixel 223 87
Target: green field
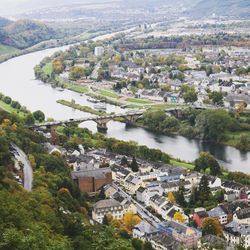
pixel 9 109
pixel 76 87
pixel 182 164
pixel 109 94
pixel 139 101
pixel 232 138
pixel 4 50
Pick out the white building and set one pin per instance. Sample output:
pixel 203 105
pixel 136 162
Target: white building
pixel 107 207
pixel 242 216
pixel 99 51
pixel 234 232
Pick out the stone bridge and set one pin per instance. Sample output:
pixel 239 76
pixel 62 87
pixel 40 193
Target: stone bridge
pixel 101 121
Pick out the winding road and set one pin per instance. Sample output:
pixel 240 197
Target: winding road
pixel 20 156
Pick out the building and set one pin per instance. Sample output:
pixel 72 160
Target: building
pixel 213 242
pixel 92 180
pixel 107 207
pixel 242 216
pixel 165 242
pixel 218 213
pixel 234 232
pixel 144 231
pixel 99 51
pixel 229 196
pixel 180 232
pixel 199 216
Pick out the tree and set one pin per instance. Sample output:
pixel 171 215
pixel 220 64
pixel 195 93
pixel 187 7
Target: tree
pixel 130 220
pixel 179 196
pixel 137 244
pixel 212 124
pixel 207 161
pixel 102 195
pixel 216 97
pixel 171 197
pixel 58 66
pixel 178 216
pixel 211 226
pixel 107 219
pixel 148 246
pixel 39 115
pixel 76 73
pixel 190 96
pixel 243 144
pixel 134 165
pixel 29 119
pixel 124 161
pixel 204 190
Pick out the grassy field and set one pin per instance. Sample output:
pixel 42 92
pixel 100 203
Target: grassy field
pixel 182 164
pixel 7 50
pixel 109 94
pixel 232 138
pixel 76 87
pixel 138 101
pixel 9 109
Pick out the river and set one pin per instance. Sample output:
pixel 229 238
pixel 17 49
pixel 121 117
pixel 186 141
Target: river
pixel 17 80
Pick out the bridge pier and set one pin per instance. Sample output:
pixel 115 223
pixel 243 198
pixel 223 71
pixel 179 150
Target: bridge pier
pixel 102 125
pixel 131 119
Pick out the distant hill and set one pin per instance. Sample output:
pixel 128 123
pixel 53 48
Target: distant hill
pixel 24 33
pixel 4 22
pixel 239 8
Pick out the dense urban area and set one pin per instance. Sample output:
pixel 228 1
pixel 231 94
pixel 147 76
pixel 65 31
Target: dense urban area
pixel 150 68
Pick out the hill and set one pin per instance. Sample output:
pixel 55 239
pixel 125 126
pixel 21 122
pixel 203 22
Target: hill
pixel 55 214
pixel 24 33
pixel 238 8
pixel 4 22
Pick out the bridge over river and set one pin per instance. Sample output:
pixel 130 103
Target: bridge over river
pixel 102 121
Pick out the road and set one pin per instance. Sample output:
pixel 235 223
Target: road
pixel 94 74
pixel 141 210
pixel 20 156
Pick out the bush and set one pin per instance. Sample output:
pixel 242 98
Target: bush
pixel 7 100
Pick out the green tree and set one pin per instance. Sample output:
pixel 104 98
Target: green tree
pixel 179 197
pixel 137 244
pixel 29 120
pixel 244 143
pixel 204 190
pixel 147 246
pixel 212 124
pixel 134 165
pixel 39 115
pixel 190 96
pixel 207 161
pixel 216 97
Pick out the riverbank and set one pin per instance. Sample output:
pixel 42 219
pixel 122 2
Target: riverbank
pixel 54 43
pixel 86 109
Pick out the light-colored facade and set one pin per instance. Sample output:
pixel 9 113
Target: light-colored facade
pixel 106 207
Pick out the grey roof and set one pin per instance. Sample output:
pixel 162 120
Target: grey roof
pixel 107 204
pixel 141 189
pixel 243 213
pixel 167 241
pixel 145 227
pixel 237 229
pixel 97 173
pixel 216 212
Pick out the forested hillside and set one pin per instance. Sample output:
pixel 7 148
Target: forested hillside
pixel 55 215
pixel 24 33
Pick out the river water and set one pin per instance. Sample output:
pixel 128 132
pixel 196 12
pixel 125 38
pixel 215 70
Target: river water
pixel 17 80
